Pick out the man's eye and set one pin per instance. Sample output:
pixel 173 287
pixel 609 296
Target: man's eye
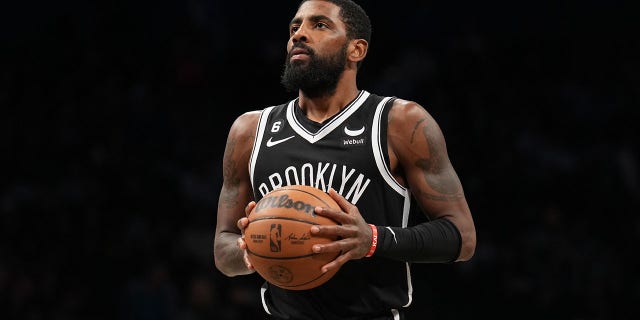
pixel 321 25
pixel 294 29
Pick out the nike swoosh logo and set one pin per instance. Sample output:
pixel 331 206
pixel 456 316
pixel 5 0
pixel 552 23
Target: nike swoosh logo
pixel 353 133
pixel 271 142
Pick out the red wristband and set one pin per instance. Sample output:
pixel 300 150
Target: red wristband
pixel 374 240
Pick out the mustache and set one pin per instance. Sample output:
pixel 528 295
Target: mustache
pixel 300 45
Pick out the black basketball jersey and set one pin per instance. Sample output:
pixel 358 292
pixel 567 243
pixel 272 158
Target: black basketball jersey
pixel 348 153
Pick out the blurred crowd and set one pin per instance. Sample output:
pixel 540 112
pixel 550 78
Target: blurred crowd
pixel 115 115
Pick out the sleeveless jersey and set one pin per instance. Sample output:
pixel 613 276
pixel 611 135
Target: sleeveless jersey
pixel 348 153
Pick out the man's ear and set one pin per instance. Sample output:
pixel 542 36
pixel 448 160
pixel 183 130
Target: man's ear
pixel 358 50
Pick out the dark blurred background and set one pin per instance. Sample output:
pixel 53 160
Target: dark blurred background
pixel 115 115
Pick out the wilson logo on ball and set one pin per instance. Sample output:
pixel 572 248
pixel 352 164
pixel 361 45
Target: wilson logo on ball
pixel 284 201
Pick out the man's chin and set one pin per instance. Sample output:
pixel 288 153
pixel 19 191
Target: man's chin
pixel 299 65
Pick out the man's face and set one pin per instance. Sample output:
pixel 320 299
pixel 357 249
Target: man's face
pixel 317 49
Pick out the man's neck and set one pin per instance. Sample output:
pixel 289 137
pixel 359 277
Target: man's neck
pixel 321 108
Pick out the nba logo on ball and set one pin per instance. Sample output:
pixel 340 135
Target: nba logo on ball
pixel 274 239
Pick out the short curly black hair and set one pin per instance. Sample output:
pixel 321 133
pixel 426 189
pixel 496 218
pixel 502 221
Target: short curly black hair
pixel 354 17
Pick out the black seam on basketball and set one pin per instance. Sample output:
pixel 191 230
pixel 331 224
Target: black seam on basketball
pixel 312 280
pixel 284 218
pixel 307 192
pixel 281 258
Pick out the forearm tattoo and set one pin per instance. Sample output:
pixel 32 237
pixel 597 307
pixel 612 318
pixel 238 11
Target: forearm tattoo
pixel 229 194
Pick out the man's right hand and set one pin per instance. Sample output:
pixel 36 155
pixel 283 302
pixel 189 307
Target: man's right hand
pixel 242 224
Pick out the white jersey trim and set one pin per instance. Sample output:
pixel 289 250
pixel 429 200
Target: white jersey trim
pixel 383 167
pixel 263 291
pixel 328 127
pixel 409 286
pixel 257 142
pixel 396 314
pixel 378 153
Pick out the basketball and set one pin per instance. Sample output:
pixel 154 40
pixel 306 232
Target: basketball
pixel 279 239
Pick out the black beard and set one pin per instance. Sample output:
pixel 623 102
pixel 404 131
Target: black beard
pixel 316 78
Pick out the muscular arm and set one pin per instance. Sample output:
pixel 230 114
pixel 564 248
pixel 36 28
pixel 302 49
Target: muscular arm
pixel 419 159
pixel 234 196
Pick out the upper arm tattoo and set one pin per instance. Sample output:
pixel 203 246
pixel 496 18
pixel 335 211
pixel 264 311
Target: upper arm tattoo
pixel 437 170
pixel 415 128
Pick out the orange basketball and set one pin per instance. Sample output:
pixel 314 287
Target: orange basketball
pixel 279 239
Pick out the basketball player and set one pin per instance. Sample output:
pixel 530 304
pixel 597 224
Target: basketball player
pixel 382 159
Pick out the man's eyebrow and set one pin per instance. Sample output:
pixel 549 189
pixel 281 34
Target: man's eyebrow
pixel 314 18
pixel 295 21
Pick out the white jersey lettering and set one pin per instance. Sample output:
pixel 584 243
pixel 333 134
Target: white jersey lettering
pixel 322 179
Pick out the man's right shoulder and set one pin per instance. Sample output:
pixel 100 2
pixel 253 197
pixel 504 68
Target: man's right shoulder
pixel 248 117
pixel 252 117
pixel 244 126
